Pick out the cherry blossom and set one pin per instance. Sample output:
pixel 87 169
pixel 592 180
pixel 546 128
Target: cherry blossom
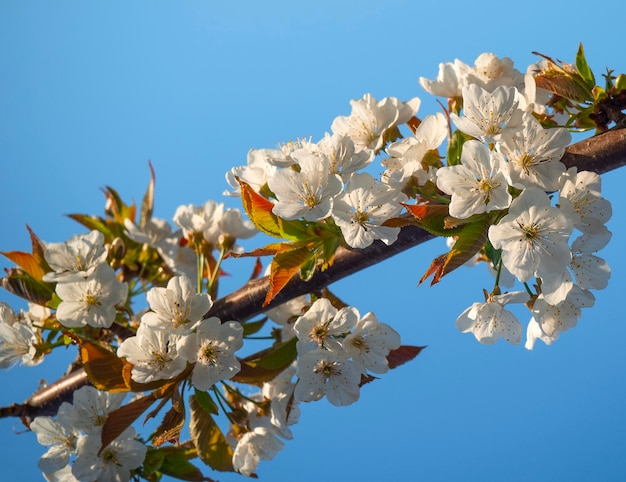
pixel 363 208
pixel 309 193
pixel 324 373
pixel 477 185
pixel 177 307
pixel 489 115
pixel 111 464
pixel 92 300
pixel 323 325
pixel 490 321
pixel 153 354
pixel 533 236
pixel 212 348
pixel 533 155
pixel 371 119
pixel 370 343
pixel 76 258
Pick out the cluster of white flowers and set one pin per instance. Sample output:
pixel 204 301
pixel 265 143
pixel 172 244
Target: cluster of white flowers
pixel 19 335
pixel 74 441
pixel 85 282
pixel 175 333
pixel 510 166
pixel 545 224
pixel 337 347
pixel 336 351
pixel 262 440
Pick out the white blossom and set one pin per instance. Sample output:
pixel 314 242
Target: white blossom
pixel 212 348
pixel 91 301
pixel 534 154
pixel 114 463
pixel 153 354
pixel 363 208
pixel 371 119
pixel 490 320
pixel 324 373
pixel 309 193
pixel 477 185
pixel 75 259
pixel 488 115
pixel 533 236
pixel 259 444
pixel 178 307
pixel 323 325
pixel 370 343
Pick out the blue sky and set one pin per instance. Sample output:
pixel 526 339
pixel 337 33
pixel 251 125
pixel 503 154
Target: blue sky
pixel 90 91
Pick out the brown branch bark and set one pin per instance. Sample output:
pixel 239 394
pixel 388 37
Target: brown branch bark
pixel 601 154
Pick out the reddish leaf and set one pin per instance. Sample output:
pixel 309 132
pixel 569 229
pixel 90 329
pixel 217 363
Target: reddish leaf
pixel 122 418
pixel 170 428
pixel 403 354
pixel 258 269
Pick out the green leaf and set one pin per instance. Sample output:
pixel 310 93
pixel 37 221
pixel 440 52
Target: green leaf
pixel 252 327
pixel 206 402
pixel 21 284
pixel 93 223
pixel 471 239
pixel 455 147
pixel 583 68
pixel 265 365
pixel 172 461
pixel 211 445
pixel 620 83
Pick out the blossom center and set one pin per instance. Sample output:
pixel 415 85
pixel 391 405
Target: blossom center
pixel 319 333
pixel 360 343
pixel 328 369
pixel 208 354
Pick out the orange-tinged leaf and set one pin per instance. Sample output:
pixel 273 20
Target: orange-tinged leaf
pixel 104 369
pixel 259 210
pixel 269 250
pixel 34 264
pixel 258 269
pixel 211 445
pixel 285 265
pixel 27 262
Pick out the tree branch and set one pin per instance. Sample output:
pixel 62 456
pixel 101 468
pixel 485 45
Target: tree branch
pixel 601 154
